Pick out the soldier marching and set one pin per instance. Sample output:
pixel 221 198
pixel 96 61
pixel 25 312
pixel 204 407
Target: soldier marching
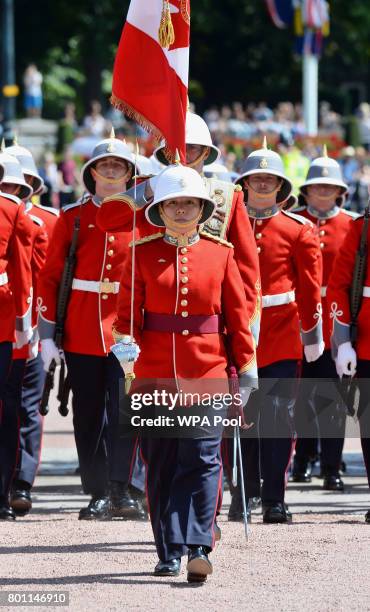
pixel 292 268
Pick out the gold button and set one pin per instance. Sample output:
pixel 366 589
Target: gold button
pixel 322 222
pixel 29 300
pixel 184 290
pixel 258 249
pixel 184 302
pixel 185 332
pixel 184 314
pixel 322 245
pixel 104 296
pixel 258 236
pixel 184 250
pixel 259 222
pixel 109 266
pixel 111 238
pixel 184 269
pixel 106 280
pixel 110 252
pixel 322 233
pixel 184 280
pixel 184 260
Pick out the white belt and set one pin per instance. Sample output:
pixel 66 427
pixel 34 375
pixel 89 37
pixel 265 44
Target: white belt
pixel 95 286
pixel 278 299
pixel 366 292
pixel 3 279
pixel 323 291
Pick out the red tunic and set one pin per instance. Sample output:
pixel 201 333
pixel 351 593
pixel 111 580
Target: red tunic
pixel 331 231
pixel 100 255
pixel 39 249
pixel 338 294
pixel 15 263
pixel 290 261
pixel 48 215
pixel 200 279
pixel 116 213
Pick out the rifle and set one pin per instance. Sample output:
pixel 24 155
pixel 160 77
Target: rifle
pixel 349 387
pixel 65 288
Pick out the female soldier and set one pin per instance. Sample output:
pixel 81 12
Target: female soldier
pixel 187 288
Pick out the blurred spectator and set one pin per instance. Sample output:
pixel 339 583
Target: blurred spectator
pixel 360 197
pixel 52 178
pixel 94 123
pixel 67 178
pixel 364 124
pixel 67 127
pixel 32 80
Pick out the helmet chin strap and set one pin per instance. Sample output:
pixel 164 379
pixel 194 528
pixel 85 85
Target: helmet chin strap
pixel 325 197
pixel 105 179
pixel 179 228
pixel 266 194
pixel 204 154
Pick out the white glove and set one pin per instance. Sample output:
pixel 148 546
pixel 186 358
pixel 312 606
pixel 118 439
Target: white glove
pixel 346 360
pixel 49 351
pixel 245 394
pixel 33 350
pixel 126 350
pixel 23 337
pixel 313 351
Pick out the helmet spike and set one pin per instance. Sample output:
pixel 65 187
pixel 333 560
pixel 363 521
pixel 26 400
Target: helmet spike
pixel 112 133
pixel 177 157
pixel 15 139
pixel 2 146
pixel 324 150
pixel 264 143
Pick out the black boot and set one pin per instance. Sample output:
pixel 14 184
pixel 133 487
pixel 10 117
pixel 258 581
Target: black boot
pixel 276 512
pixel 332 481
pixel 301 471
pixel 6 512
pixel 199 566
pixel 140 498
pixel 122 504
pixel 20 499
pixel 97 510
pixel 236 514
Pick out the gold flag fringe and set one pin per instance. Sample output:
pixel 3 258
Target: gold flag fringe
pixel 133 114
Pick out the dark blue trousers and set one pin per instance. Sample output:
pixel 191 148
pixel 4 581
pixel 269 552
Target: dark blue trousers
pixel 267 446
pixel 31 422
pixel 316 420
pixel 5 363
pixel 9 430
pixel 183 486
pixel 104 453
pixel 363 374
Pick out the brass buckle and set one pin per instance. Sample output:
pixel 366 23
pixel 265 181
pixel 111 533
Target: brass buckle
pixel 106 287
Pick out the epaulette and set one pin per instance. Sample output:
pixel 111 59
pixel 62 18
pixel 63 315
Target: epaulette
pixel 238 187
pixel 146 239
pixel 37 220
pixel 216 239
pixel 351 214
pixel 49 209
pixel 70 206
pixel 297 218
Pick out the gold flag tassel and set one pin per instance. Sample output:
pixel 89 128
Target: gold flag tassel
pixel 166 33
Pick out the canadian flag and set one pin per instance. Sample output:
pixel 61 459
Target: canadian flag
pixel 150 78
